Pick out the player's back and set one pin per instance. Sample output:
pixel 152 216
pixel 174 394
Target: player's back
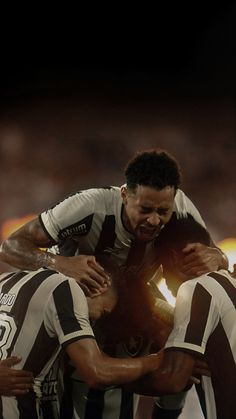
pixel 25 332
pixel 221 345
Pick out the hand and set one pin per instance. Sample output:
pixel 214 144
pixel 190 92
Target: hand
pixel 89 274
pixel 200 259
pixel 201 368
pixel 14 382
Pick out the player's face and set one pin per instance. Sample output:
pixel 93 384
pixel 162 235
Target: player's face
pixel 101 305
pixel 147 210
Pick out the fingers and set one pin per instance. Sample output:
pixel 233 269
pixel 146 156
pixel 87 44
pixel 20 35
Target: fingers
pixel 100 280
pixel 19 375
pixel 197 260
pixel 17 389
pixel 17 392
pixel 90 286
pixel 89 289
pixel 194 380
pixel 97 271
pixel 11 361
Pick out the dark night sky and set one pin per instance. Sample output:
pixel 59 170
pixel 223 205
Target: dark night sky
pixel 174 56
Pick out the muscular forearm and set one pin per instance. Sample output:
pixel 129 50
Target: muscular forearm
pixel 23 248
pixel 99 370
pixel 120 371
pixel 22 254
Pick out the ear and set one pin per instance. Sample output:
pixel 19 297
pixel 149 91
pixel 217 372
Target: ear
pixel 123 193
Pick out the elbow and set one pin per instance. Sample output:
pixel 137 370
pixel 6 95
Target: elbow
pixel 96 383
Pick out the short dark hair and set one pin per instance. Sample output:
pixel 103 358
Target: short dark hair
pixel 154 168
pixel 176 235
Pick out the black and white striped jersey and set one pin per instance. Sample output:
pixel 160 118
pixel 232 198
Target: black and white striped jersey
pixel 205 323
pixel 81 402
pixel 40 313
pixel 90 222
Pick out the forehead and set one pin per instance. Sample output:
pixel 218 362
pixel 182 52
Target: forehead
pixel 151 197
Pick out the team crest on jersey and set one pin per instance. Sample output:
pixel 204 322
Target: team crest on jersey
pixel 134 346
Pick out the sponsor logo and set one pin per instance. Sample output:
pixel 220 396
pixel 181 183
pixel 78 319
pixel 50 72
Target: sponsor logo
pixel 79 229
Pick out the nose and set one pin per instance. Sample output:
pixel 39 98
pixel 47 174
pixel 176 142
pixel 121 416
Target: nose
pixel 154 219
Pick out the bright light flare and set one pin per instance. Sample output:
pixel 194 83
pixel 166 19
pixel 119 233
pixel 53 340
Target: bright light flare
pixel 11 225
pixel 228 246
pixel 166 292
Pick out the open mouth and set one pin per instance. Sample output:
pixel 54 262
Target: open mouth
pixel 149 232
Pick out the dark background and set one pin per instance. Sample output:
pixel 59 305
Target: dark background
pixel 77 101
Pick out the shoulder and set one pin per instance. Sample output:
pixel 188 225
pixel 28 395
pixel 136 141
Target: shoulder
pixel 184 207
pixel 97 196
pixel 67 292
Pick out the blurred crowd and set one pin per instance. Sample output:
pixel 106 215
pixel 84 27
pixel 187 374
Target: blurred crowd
pixel 50 148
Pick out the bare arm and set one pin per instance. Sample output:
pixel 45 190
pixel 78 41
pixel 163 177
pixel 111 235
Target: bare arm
pixel 99 370
pixel 22 249
pixel 174 374
pixel 14 382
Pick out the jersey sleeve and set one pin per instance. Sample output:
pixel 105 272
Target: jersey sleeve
pixel 184 206
pixel 66 314
pixel 195 318
pixel 73 215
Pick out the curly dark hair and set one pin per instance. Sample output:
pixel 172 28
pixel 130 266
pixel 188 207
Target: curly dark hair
pixel 154 168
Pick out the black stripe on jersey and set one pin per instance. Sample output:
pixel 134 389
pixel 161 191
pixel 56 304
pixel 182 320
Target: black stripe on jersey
pixel 24 296
pixel 127 404
pixel 108 235
pixel 52 241
pixel 95 404
pixel 12 280
pixel 226 284
pixel 7 276
pixel 65 308
pixel 26 405
pixel 43 345
pixel 200 305
pixel 221 361
pixel 66 406
pixel 80 228
pixel 68 247
pixel 136 253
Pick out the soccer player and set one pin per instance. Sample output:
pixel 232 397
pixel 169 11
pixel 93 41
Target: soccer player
pixel 204 325
pixel 44 311
pixel 124 222
pixel 121 221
